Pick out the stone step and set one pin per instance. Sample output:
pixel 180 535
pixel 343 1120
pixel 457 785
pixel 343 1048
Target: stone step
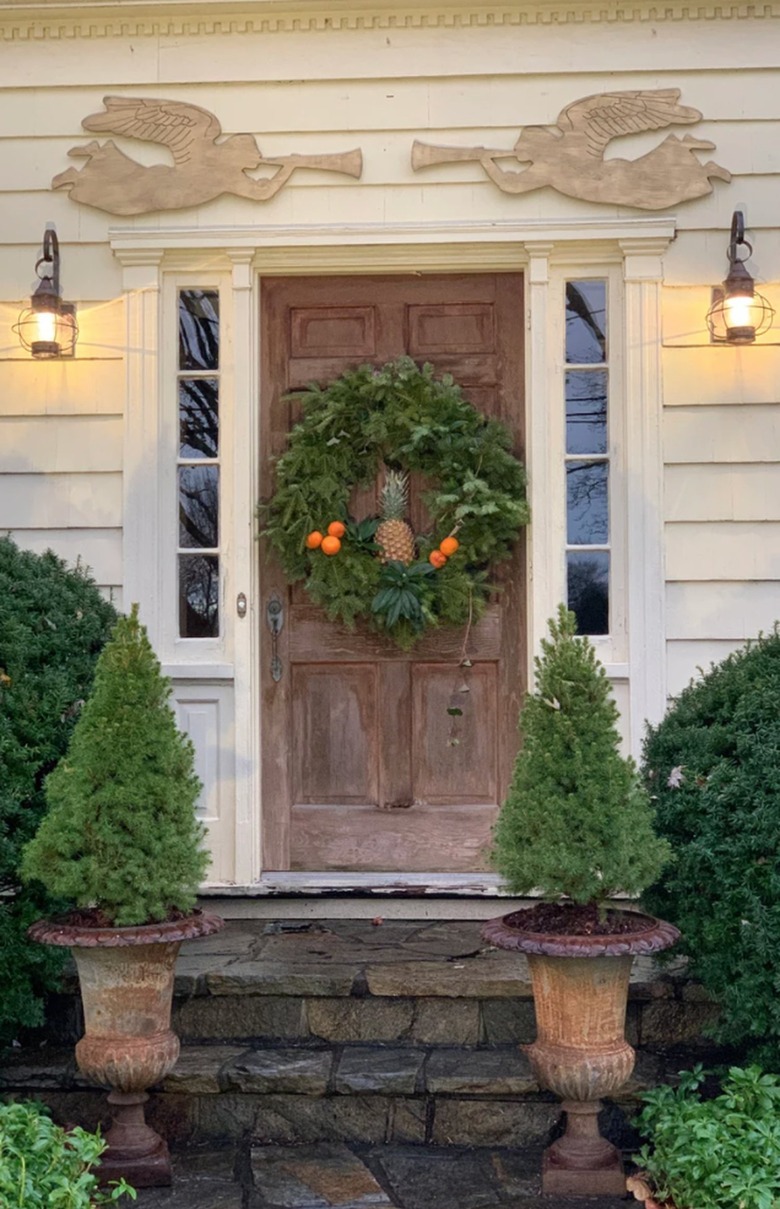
pixel 365 1094
pixel 345 981
pixel 404 1032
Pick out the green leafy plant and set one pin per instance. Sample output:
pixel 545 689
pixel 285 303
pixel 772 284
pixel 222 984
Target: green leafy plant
pixel 44 1167
pixel 722 1152
pixel 712 766
pixel 121 834
pixel 405 595
pixel 405 417
pixel 577 823
pixel 53 623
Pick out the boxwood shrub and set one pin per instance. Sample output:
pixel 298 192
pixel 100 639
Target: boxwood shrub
pixel 53 624
pixel 713 767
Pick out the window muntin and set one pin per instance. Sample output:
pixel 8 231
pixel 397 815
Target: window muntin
pixel 198 468
pixel 586 397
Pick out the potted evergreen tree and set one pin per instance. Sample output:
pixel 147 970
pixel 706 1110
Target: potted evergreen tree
pixel 577 827
pixel 122 842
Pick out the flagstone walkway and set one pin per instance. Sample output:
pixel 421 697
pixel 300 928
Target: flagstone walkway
pixel 336 1176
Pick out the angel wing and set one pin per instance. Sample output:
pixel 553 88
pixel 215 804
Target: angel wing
pixel 176 125
pixel 609 114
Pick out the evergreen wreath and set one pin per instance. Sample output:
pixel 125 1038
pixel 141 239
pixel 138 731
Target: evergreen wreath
pixel 400 417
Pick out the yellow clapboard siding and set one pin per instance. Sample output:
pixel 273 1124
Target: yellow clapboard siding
pixel 28 164
pixel 62 501
pixel 685 661
pixel 114 594
pixel 737 101
pixel 39 444
pixel 420 199
pixel 723 550
pixel 725 611
pixel 78 387
pixel 712 492
pixel 707 433
pixel 99 550
pixel 90 275
pixel 698 260
pixel 722 375
pixel 409 52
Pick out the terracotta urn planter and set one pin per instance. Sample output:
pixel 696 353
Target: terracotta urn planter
pixel 580 986
pixel 126 979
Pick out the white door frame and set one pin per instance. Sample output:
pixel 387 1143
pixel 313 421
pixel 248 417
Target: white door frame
pixel 238 258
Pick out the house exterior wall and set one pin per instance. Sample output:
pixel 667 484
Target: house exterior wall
pixel 308 78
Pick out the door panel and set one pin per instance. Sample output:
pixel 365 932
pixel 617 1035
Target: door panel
pixel 367 765
pixel 334 709
pixel 454 763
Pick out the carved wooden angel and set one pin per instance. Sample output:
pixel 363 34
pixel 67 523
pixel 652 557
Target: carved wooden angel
pixel 569 157
pixel 202 169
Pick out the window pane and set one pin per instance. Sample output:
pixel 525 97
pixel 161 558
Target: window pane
pixel 586 322
pixel 198 329
pixel 587 503
pixel 199 507
pixel 198 417
pixel 198 595
pixel 586 411
pixel 588 590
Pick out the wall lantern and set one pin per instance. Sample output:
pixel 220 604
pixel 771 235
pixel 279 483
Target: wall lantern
pixel 738 314
pixel 48 328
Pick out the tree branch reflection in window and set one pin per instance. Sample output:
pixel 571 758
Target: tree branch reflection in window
pixel 587 455
pixel 198 470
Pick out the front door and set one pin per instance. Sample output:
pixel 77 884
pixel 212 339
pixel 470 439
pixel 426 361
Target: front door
pixel 365 765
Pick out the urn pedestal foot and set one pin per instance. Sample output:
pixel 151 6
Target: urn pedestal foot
pixel 582 1162
pixel 134 1150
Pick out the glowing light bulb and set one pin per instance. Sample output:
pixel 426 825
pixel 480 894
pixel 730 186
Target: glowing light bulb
pixel 46 326
pixel 739 310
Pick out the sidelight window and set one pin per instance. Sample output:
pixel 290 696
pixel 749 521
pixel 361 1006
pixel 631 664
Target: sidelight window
pixel 198 464
pixel 587 463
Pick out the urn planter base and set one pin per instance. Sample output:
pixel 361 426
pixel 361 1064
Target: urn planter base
pixel 582 1163
pixel 134 1150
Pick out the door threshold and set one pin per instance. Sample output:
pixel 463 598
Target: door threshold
pixel 285 882
pixel 390 895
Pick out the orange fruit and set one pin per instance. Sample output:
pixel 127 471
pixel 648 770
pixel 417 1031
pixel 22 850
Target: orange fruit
pixel 449 546
pixel 437 559
pixel 337 528
pixel 314 539
pixel 330 545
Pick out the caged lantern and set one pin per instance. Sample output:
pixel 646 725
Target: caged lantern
pixel 738 314
pixel 48 328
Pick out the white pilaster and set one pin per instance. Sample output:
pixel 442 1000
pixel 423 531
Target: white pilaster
pixel 141 503
pixel 546 536
pixel 643 271
pixel 242 581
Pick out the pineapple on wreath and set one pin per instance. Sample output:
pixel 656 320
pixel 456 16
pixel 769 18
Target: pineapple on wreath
pixel 392 421
pixel 394 535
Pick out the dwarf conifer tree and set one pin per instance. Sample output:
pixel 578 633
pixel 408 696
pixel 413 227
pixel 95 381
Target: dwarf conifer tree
pixel 576 822
pixel 53 624
pixel 121 834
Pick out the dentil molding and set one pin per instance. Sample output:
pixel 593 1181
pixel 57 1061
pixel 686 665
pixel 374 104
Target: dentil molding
pixel 33 20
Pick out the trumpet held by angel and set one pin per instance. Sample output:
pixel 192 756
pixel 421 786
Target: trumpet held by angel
pixel 570 156
pixel 205 165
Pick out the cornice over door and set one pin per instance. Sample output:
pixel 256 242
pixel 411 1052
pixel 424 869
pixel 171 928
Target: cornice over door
pixel 96 18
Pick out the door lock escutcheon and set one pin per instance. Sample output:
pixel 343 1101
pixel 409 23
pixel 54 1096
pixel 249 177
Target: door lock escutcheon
pixel 274 616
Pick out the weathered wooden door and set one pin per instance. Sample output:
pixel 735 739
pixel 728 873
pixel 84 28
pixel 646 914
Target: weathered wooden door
pixel 364 767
